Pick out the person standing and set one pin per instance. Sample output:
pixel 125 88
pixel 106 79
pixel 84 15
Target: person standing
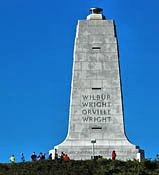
pixel 12 159
pixel 43 156
pixel 66 157
pixel 113 155
pixel 22 157
pixel 56 154
pixel 62 155
pixel 33 157
pixel 50 156
pixel 40 156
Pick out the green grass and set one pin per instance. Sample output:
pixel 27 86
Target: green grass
pixel 88 167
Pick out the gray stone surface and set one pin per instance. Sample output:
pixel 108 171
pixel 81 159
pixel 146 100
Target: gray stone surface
pixel 96 109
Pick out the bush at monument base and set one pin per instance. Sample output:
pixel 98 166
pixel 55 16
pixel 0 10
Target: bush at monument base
pixel 87 167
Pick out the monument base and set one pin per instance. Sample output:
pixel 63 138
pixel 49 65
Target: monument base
pixel 85 150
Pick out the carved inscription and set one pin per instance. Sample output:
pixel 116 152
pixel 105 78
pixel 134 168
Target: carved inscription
pixel 80 152
pixel 96 108
pixel 102 152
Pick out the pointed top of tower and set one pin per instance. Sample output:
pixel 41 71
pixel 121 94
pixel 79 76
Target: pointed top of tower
pixel 95 14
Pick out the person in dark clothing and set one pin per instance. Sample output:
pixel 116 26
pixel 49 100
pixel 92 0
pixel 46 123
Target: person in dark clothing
pixel 40 156
pixel 33 157
pixel 113 155
pixel 56 154
pixel 43 156
pixel 50 156
pixel 62 155
pixel 157 156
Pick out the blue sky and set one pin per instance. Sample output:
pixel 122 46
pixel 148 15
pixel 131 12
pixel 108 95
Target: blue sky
pixel 36 57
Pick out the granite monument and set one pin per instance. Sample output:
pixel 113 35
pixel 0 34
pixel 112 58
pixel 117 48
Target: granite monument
pixel 96 121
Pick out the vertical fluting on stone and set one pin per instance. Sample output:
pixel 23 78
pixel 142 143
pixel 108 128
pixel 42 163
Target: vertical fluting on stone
pixel 96 110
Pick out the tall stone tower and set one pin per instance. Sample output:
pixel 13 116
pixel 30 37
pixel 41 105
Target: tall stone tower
pixel 96 125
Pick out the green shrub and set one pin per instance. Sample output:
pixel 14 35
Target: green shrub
pixel 87 167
